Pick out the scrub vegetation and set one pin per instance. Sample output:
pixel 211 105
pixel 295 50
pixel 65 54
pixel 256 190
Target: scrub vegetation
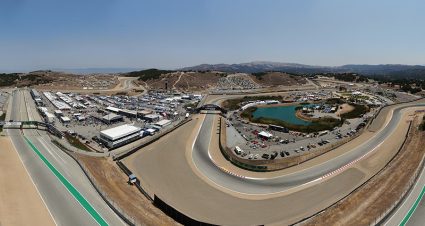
pixel 422 125
pixel 76 143
pixel 148 74
pixel 357 112
pixel 20 80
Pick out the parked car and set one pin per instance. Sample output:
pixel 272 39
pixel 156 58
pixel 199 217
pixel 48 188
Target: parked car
pixel 274 155
pixel 265 156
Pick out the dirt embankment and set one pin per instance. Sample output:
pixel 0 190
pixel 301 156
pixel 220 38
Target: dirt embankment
pixel 112 181
pixel 188 81
pixel 370 201
pixel 300 115
pixel 343 109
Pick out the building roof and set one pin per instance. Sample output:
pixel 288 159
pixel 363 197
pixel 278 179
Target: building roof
pixel 49 115
pixel 65 119
pixel 150 130
pixel 132 112
pixel 111 117
pixel 163 122
pixel 114 109
pixel 120 131
pixel 152 116
pixel 145 112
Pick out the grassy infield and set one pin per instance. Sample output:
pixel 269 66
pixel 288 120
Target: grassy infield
pixel 327 123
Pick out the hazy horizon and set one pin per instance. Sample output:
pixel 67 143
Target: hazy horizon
pixel 48 34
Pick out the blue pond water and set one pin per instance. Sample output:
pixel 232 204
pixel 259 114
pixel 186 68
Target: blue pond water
pixel 284 113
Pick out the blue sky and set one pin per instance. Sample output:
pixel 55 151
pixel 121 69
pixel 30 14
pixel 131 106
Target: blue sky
pixel 42 34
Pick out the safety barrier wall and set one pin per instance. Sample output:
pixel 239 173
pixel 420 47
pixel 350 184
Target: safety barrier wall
pixel 137 184
pixel 175 214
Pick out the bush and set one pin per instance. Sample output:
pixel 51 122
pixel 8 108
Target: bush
pixel 358 111
pixel 334 101
pixel 422 125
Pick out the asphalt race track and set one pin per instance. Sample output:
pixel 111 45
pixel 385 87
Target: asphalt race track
pixel 270 185
pixel 210 195
pixel 64 208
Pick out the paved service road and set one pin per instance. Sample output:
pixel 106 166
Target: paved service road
pixel 63 202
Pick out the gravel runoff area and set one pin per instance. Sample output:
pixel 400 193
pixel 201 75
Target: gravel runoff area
pixel 370 201
pixel 111 180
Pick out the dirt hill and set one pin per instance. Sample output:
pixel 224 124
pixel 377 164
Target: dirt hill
pixel 278 79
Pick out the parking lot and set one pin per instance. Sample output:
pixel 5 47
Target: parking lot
pixel 251 143
pixel 85 116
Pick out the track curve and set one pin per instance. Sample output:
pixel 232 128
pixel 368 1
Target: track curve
pixel 258 186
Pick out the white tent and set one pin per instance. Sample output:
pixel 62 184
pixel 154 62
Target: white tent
pixel 265 134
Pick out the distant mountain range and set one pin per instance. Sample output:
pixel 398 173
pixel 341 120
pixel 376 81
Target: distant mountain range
pixel 390 71
pixel 96 70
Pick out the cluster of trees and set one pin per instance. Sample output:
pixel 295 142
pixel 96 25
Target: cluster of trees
pixel 406 84
pixel 408 88
pixel 11 79
pixel 8 79
pixel 259 75
pixel 148 74
pixel 347 77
